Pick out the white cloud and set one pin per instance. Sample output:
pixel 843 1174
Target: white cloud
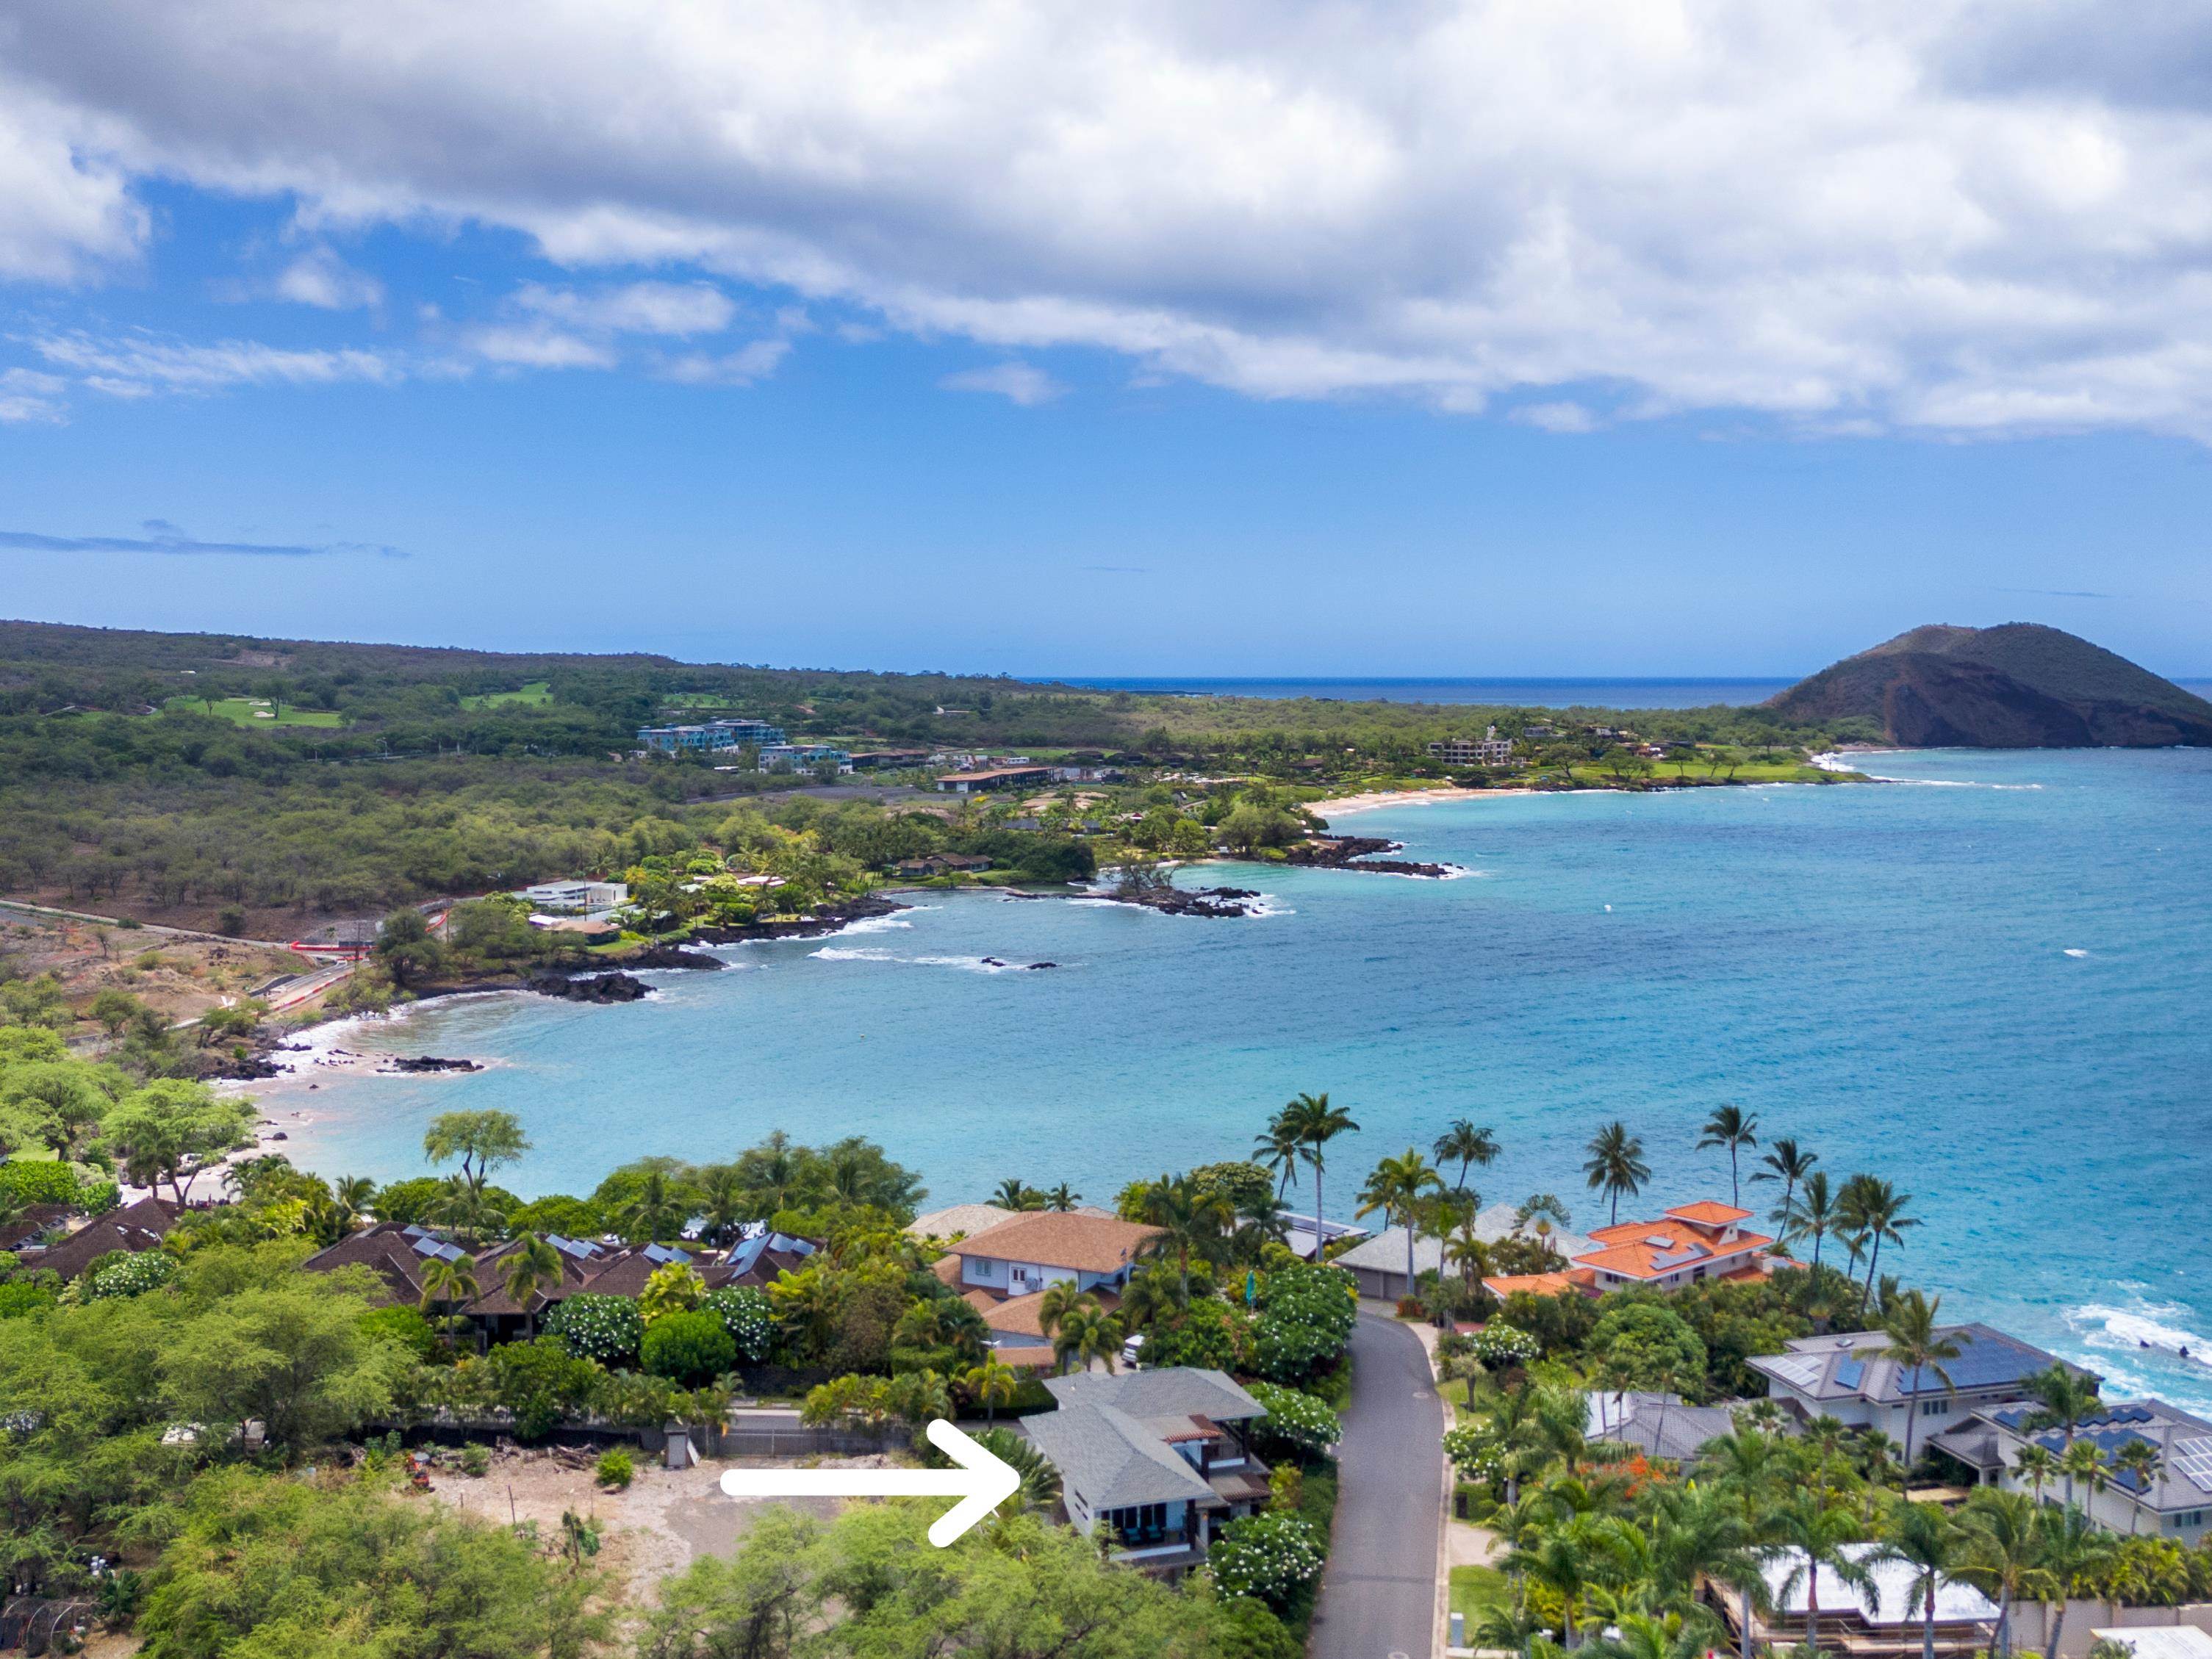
pixel 1024 384
pixel 318 278
pixel 754 362
pixel 1957 216
pixel 27 395
pixel 138 365
pixel 1557 417
pixel 538 345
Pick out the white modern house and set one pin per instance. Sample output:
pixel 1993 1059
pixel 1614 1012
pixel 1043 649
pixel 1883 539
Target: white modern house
pixel 1846 1377
pixel 581 896
pixel 2171 1500
pixel 1163 1458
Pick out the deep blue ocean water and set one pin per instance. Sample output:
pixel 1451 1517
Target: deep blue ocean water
pixel 1987 981
pixel 1571 693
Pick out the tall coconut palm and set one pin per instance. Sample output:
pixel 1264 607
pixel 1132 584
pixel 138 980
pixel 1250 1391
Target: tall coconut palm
pixel 2084 1466
pixel 1316 1123
pixel 1615 1165
pixel 1278 1147
pixel 1088 1334
pixel 2074 1548
pixel 1396 1187
pixel 1928 1541
pixel 2001 1553
pixel 1872 1211
pixel 1730 1126
pixel 1789 1163
pixel 1062 1198
pixel 658 1212
pixel 1813 1214
pixel 1811 1536
pixel 1564 1560
pixel 1916 1341
pixel 1193 1221
pixel 1542 1212
pixel 1057 1300
pixel 2037 1465
pixel 449 1282
pixel 2137 1461
pixel 725 1204
pixel 2065 1398
pixel 353 1197
pixel 530 1266
pixel 1466 1145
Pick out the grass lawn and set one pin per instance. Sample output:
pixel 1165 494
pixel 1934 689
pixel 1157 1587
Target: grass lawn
pixel 535 694
pixel 1473 1588
pixel 253 711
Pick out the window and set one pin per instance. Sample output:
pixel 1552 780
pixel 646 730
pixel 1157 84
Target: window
pixel 1935 1408
pixel 1141 1523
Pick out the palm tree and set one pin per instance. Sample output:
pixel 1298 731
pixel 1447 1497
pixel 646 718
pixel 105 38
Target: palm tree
pixel 1147 1296
pixel 725 1204
pixel 352 1195
pixel 1062 1198
pixel 1013 1195
pixel 1088 1334
pixel 658 1212
pixel 1915 1341
pixel 1563 1560
pixel 1466 1145
pixel 530 1267
pixel 1316 1123
pixel 2074 1548
pixel 1815 1536
pixel 2065 1398
pixel 1396 1187
pixel 1262 1220
pixel 1730 1127
pixel 1786 1163
pixel 2036 1464
pixel 2000 1552
pixel 1057 1300
pixel 1616 1164
pixel 2084 1462
pixel 1511 1420
pixel 1813 1214
pixel 449 1282
pixel 2137 1461
pixel 1279 1148
pixel 991 1385
pixel 1193 1220
pixel 1872 1211
pixel 1544 1211
pixel 1926 1540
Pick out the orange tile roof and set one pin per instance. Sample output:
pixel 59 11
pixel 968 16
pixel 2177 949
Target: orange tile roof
pixel 1708 1211
pixel 1053 1238
pixel 947 1269
pixel 1628 1248
pixel 1017 1315
pixel 1502 1285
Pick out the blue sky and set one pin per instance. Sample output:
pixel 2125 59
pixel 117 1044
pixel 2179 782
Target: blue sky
pixel 970 394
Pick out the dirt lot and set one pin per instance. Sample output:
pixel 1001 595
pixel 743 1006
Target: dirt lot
pixel 181 975
pixel 655 1528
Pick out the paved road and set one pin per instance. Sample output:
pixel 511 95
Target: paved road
pixel 1378 1593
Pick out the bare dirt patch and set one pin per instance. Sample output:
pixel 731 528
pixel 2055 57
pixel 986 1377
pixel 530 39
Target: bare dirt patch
pixel 181 977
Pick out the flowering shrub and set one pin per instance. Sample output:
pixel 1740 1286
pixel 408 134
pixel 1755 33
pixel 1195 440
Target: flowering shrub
pixel 1208 1333
pixel 1267 1557
pixel 130 1275
pixel 1295 1420
pixel 1499 1344
pixel 607 1328
pixel 748 1315
pixel 1476 1453
pixel 1306 1316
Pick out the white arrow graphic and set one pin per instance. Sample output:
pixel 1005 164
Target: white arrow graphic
pixel 982 1483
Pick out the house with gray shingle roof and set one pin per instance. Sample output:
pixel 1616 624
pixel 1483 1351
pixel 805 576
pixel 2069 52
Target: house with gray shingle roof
pixel 2172 1497
pixel 1162 1457
pixel 1846 1377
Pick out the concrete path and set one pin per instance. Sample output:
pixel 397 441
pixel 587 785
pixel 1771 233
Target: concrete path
pixel 1380 1594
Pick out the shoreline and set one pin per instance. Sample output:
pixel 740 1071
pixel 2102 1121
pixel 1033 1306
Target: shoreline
pixel 1338 805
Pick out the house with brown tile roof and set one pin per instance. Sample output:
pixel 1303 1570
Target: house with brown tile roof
pixel 134 1228
pixel 1003 1271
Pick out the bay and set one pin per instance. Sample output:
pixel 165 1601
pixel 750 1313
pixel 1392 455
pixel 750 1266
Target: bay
pixel 1985 981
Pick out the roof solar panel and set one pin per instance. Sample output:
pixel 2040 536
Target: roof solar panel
pixel 1850 1372
pixel 2192 1460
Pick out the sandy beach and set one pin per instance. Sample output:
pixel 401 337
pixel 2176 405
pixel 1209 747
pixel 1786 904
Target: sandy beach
pixel 1337 807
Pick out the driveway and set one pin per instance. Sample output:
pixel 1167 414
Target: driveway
pixel 1378 1593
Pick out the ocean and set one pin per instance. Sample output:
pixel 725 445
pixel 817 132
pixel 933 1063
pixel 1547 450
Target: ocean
pixel 1696 693
pixel 1985 981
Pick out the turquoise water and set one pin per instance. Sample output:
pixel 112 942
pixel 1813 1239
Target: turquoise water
pixel 1987 983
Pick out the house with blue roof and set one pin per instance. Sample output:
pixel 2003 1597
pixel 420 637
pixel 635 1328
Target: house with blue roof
pixel 1846 1376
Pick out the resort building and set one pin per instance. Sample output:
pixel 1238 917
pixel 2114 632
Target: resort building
pixel 991 779
pixel 1688 1243
pixel 1163 1458
pixel 1488 749
pixel 710 736
pixel 1847 1378
pixel 2169 1497
pixel 579 898
pixel 1880 1620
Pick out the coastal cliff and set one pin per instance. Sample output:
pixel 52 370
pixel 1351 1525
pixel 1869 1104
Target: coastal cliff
pixel 2017 686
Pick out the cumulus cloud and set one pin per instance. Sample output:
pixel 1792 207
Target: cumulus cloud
pixel 1954 215
pixel 1022 383
pixel 755 361
pixel 1557 417
pixel 27 395
pixel 539 345
pixel 164 538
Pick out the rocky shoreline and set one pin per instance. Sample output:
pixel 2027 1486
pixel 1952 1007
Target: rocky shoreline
pixel 1189 900
pixel 1358 853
